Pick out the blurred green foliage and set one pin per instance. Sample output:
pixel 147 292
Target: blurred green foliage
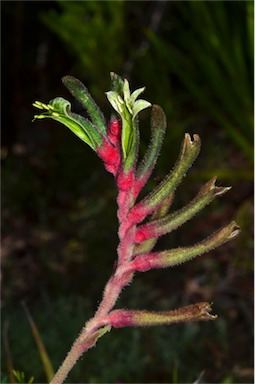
pixel 94 32
pixel 212 56
pixel 20 377
pixel 207 47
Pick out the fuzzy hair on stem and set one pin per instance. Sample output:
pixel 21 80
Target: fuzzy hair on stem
pixel 140 223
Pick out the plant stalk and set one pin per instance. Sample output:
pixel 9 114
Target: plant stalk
pixel 92 331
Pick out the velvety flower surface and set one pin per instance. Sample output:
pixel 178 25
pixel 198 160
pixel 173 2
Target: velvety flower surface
pixel 141 222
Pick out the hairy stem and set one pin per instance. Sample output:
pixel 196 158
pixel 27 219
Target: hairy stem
pixel 92 331
pixel 73 355
pixel 120 278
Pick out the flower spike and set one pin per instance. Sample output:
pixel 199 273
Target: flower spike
pixel 140 223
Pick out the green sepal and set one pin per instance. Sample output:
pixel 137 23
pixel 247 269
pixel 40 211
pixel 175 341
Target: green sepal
pixel 80 92
pixel 59 109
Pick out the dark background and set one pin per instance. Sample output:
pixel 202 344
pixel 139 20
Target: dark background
pixel 59 205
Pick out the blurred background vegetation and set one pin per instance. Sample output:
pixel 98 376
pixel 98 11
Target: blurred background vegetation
pixel 58 204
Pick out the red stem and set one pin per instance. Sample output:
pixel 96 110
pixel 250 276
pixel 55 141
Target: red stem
pixel 120 278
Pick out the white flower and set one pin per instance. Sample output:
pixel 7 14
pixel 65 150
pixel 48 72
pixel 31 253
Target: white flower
pixel 130 101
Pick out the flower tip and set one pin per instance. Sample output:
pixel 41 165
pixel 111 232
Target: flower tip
pixel 221 190
pixel 235 231
pixel 189 141
pixel 68 79
pixel 205 309
pixel 217 191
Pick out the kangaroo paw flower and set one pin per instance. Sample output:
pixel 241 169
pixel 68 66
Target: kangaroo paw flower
pixel 127 318
pixel 140 223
